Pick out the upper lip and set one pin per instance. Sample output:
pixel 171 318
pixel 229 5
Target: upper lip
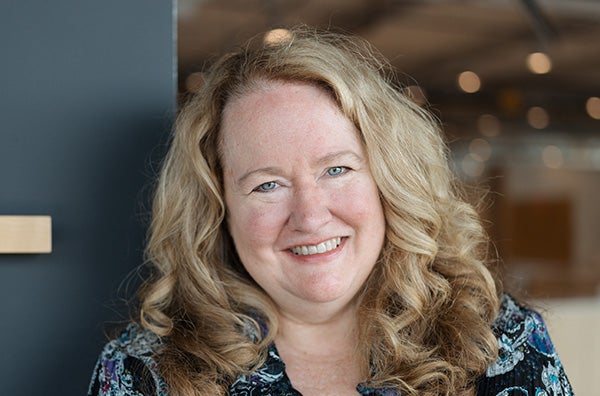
pixel 314 242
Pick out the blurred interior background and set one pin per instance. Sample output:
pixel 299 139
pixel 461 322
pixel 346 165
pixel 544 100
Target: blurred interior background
pixel 516 86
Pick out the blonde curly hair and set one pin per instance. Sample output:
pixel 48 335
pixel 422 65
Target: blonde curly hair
pixel 427 307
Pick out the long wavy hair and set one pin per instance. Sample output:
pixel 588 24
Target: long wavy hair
pixel 426 309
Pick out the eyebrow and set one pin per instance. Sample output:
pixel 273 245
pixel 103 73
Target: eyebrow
pixel 327 158
pixel 268 170
pixel 331 157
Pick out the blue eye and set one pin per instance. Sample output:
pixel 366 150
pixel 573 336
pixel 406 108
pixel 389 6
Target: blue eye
pixel 265 187
pixel 336 170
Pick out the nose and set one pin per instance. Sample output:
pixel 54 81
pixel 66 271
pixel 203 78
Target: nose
pixel 309 209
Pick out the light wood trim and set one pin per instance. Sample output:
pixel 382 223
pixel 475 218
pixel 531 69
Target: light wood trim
pixel 25 234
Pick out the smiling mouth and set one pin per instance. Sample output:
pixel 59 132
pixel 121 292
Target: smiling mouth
pixel 322 247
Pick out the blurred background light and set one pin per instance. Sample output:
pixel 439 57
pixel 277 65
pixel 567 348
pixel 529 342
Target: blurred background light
pixel 592 107
pixel 481 147
pixel 469 81
pixel 276 36
pixel 552 157
pixel 488 125
pixel 537 117
pixel 539 63
pixel 473 165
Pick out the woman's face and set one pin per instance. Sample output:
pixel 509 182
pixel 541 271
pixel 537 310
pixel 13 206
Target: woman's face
pixel 303 209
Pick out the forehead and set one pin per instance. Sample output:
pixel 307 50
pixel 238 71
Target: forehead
pixel 263 96
pixel 284 125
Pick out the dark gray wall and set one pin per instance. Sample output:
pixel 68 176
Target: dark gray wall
pixel 87 93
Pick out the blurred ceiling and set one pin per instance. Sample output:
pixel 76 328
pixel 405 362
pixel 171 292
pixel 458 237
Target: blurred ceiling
pixel 430 42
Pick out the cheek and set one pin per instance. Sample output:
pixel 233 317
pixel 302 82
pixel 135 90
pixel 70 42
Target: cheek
pixel 255 227
pixel 360 202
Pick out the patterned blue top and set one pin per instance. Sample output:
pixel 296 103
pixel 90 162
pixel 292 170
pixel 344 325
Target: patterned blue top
pixel 527 365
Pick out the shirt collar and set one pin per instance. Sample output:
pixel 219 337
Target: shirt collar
pixel 270 379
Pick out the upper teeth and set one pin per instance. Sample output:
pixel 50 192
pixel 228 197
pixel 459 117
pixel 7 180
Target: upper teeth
pixel 320 248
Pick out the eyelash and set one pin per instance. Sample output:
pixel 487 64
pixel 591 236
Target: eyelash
pixel 262 188
pixel 342 170
pixel 272 185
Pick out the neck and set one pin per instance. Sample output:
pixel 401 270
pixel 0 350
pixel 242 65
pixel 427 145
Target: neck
pixel 318 330
pixel 322 357
pixel 322 337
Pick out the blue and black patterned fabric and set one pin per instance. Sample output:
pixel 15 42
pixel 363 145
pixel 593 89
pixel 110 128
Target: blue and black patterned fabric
pixel 527 365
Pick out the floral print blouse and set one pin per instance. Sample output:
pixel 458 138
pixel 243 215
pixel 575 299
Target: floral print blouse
pixel 527 364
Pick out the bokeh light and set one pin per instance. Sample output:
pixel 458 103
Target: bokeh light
pixel 277 36
pixel 537 117
pixel 539 63
pixel 469 81
pixel 592 106
pixel 488 125
pixel 552 157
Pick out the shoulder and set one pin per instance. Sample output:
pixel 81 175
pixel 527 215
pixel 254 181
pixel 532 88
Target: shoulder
pixel 126 365
pixel 527 361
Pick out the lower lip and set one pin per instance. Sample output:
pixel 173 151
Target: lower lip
pixel 320 257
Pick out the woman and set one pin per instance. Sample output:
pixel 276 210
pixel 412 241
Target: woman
pixel 308 238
